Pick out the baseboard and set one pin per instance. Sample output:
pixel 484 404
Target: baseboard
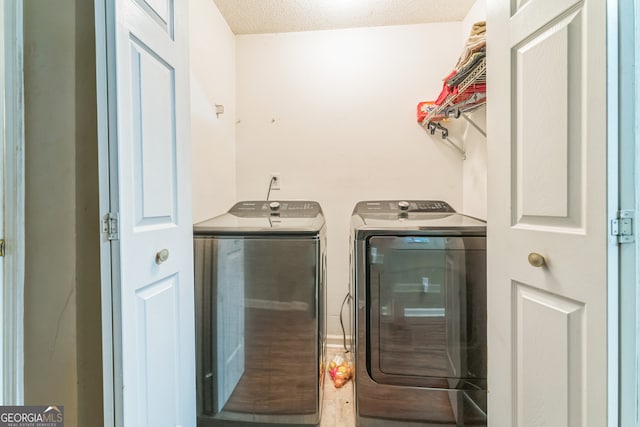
pixel 335 342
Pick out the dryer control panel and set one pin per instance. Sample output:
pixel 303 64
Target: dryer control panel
pixel 398 206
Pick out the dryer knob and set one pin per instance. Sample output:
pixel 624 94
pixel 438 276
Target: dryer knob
pixel 274 206
pixel 403 205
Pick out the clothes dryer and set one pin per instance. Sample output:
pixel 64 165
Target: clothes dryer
pixel 419 286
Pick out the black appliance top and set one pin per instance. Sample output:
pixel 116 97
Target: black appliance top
pixel 265 217
pixel 412 216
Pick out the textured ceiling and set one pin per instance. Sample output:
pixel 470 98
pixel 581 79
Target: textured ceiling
pixel 278 16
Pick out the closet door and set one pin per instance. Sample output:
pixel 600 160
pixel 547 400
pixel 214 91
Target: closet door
pixel 147 76
pixel 547 224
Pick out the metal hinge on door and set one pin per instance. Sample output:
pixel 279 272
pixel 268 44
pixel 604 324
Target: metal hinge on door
pixel 622 227
pixel 110 226
pixel 1 247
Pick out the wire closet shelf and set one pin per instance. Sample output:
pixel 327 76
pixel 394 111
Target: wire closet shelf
pixel 464 90
pixel 465 99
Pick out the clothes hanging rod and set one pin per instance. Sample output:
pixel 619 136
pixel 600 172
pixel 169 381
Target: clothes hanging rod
pixel 434 127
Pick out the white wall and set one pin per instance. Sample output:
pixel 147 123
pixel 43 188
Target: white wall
pixel 213 81
pixel 62 325
pixel 50 347
pixel 474 182
pixel 478 12
pixel 334 112
pixel 474 177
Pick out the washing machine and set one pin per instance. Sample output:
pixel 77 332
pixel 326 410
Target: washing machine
pixel 260 275
pixel 419 319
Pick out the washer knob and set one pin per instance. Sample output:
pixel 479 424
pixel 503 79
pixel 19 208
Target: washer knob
pixel 274 206
pixel 403 205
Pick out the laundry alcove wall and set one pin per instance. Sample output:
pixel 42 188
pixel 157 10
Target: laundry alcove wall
pixel 333 112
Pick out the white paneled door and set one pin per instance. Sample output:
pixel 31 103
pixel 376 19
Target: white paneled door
pixel 154 336
pixel 547 223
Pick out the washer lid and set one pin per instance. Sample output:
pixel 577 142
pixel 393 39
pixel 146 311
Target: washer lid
pixel 266 217
pixel 412 215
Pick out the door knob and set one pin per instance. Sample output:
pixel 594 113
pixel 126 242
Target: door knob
pixel 162 256
pixel 536 260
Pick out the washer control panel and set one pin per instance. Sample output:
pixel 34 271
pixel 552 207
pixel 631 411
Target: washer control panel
pixel 289 208
pixel 391 206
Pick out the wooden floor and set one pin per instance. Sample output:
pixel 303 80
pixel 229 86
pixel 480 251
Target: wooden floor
pixel 338 405
pixel 281 372
pixel 337 408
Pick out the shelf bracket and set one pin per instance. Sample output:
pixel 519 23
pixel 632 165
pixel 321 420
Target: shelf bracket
pixel 472 123
pixel 432 127
pixel 457 147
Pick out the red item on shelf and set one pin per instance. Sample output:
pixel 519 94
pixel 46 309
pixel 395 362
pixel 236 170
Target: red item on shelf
pixel 424 108
pixel 446 90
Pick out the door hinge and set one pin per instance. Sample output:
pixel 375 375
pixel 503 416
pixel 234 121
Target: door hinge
pixel 1 247
pixel 622 227
pixel 110 225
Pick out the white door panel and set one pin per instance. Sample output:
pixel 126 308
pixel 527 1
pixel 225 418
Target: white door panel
pixel 548 128
pixel 153 136
pixel 549 354
pixel 159 10
pixel 156 337
pixel 547 179
pixel 154 206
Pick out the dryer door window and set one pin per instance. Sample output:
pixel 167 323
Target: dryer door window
pixel 427 310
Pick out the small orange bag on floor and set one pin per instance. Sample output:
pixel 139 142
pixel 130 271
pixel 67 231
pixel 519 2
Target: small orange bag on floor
pixel 340 370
